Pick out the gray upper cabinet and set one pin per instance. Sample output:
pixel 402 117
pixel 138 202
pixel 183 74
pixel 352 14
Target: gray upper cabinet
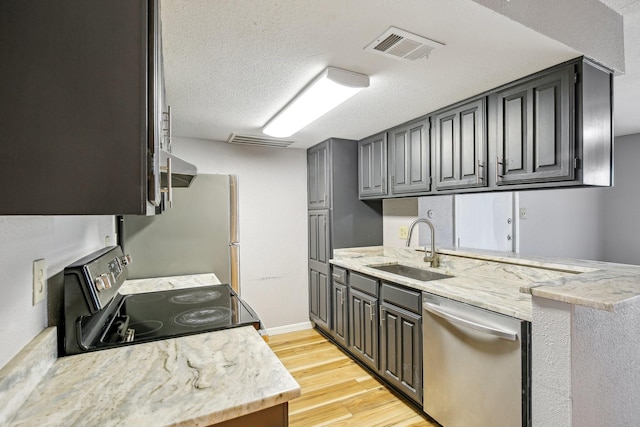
pixel 460 135
pixel 535 129
pixel 318 175
pixel 551 129
pixel 80 107
pixel 372 166
pixel 410 158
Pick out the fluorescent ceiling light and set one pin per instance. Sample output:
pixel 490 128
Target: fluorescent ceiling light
pixel 331 88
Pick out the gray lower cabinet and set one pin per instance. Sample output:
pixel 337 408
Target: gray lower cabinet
pixel 460 135
pixel 363 327
pixel 363 318
pixel 380 325
pixel 401 339
pixel 339 304
pixel 319 283
pixel 410 157
pixel 535 129
pixel 372 166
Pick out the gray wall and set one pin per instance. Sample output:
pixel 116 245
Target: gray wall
pixel 621 233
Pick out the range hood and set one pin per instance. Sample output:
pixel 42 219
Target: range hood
pixel 182 172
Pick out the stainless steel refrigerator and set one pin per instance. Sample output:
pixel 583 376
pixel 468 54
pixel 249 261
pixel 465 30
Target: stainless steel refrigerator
pixel 199 234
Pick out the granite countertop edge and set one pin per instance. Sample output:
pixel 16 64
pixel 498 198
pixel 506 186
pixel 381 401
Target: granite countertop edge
pixel 594 284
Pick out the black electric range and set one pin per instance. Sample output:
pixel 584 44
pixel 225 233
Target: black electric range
pixel 98 317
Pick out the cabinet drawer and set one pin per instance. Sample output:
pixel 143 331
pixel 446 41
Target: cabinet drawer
pixel 363 283
pixel 408 299
pixel 339 275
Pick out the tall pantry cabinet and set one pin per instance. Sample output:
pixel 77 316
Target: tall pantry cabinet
pixel 337 219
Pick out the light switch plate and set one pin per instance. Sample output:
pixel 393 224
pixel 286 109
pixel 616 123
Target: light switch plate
pixel 404 232
pixel 39 280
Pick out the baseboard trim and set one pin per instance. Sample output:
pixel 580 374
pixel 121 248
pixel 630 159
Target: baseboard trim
pixel 289 328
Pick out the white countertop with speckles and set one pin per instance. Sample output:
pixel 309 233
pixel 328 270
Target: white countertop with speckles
pixel 504 282
pixel 195 380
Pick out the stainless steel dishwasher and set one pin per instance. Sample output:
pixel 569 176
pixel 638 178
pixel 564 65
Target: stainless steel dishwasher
pixel 476 365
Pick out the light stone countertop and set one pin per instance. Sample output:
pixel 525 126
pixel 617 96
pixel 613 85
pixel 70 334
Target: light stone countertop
pixel 136 286
pixel 195 380
pixel 189 381
pixel 504 282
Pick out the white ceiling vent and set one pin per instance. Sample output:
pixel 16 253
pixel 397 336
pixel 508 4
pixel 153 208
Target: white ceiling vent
pixel 261 141
pixel 403 45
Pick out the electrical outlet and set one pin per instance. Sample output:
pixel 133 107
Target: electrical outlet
pixel 39 280
pixel 404 232
pixel 523 213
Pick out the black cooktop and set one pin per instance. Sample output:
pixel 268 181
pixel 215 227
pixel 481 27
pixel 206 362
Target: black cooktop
pixel 177 312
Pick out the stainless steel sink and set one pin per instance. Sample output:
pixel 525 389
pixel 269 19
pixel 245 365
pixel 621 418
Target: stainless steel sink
pixel 411 272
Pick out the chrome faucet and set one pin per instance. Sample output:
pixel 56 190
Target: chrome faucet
pixel 433 258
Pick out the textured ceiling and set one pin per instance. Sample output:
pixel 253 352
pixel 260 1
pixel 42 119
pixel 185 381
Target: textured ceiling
pixel 232 64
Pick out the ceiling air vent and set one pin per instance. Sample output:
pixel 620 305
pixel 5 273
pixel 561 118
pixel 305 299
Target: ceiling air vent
pixel 403 45
pixel 259 141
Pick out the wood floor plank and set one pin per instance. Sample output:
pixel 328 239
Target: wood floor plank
pixel 336 391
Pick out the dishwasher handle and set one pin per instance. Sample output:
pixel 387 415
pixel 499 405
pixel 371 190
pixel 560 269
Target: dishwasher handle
pixel 440 312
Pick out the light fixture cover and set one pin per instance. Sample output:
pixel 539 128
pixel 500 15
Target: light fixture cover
pixel 328 90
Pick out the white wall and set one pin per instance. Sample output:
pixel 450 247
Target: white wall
pixel 569 341
pixel 565 223
pixel 272 187
pixel 621 234
pixel 485 221
pixel 440 211
pixel 60 240
pixel 398 213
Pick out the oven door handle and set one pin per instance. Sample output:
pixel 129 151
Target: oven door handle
pixel 440 312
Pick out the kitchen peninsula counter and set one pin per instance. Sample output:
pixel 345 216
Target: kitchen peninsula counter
pixel 504 282
pixel 199 379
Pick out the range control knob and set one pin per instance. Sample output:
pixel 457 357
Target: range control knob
pixel 125 259
pixel 102 282
pixel 99 283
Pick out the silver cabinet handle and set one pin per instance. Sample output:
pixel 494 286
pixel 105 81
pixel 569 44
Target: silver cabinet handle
pixel 168 129
pixel 501 173
pixel 440 312
pixel 168 189
pixel 480 176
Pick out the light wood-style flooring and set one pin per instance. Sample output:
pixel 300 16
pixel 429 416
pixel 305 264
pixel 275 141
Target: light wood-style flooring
pixel 336 391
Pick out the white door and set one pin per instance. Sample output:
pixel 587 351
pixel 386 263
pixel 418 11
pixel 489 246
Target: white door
pixel 485 221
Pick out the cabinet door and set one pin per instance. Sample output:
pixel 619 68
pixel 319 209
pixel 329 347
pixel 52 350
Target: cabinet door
pixel 77 109
pixel 318 176
pixel 372 166
pixel 535 130
pixel 340 314
pixel 401 347
pixel 363 327
pixel 319 254
pixel 410 156
pixel 461 146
